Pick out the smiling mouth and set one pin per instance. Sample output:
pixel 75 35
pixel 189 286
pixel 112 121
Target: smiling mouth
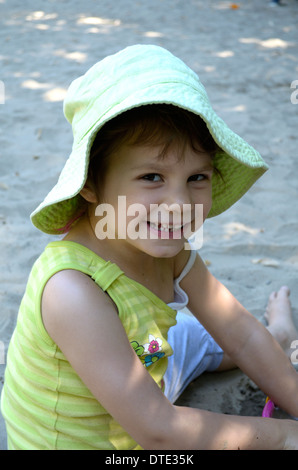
pixel 165 227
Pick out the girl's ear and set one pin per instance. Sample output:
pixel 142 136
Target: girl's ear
pixel 88 192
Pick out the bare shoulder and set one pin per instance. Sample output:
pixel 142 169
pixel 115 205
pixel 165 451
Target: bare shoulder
pixel 198 283
pixel 69 286
pixel 69 297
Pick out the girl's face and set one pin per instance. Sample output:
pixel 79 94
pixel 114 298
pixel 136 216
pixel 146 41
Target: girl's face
pixel 157 208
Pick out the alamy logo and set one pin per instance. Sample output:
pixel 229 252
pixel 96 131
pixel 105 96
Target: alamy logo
pixel 294 95
pixel 160 222
pixel 2 92
pixel 294 354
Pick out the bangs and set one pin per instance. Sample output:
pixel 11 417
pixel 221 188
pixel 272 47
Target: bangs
pixel 163 125
pixel 167 126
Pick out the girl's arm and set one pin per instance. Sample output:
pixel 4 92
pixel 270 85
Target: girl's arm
pixel 83 321
pixel 242 337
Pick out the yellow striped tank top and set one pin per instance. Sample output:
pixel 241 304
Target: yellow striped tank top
pixel 44 402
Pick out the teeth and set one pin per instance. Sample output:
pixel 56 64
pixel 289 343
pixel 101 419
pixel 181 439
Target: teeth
pixel 165 227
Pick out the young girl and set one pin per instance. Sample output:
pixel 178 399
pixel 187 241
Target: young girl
pixel 99 353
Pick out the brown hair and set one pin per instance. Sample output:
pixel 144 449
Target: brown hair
pixel 149 125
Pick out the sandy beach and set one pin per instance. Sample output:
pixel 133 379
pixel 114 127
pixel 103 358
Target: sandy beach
pixel 246 54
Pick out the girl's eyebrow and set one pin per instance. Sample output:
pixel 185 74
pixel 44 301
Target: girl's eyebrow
pixel 148 166
pixel 157 167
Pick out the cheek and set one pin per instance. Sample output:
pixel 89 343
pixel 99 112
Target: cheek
pixel 205 198
pixel 207 203
pixel 207 207
pixel 206 211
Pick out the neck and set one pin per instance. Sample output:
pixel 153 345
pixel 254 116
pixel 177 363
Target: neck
pixel 112 250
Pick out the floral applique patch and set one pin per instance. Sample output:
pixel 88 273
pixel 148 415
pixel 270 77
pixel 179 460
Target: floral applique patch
pixel 149 352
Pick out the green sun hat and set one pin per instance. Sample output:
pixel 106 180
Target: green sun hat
pixel 141 75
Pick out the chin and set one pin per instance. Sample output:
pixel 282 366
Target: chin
pixel 164 251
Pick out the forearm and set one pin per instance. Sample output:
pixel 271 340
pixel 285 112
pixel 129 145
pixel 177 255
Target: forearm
pixel 245 340
pixel 191 428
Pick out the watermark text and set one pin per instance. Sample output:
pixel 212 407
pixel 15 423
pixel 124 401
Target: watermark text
pixel 294 354
pixel 155 222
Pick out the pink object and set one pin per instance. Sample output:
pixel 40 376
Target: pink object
pixel 268 408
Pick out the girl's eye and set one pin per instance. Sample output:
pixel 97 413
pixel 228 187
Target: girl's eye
pixel 152 177
pixel 198 177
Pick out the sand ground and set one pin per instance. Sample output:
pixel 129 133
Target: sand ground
pixel 246 57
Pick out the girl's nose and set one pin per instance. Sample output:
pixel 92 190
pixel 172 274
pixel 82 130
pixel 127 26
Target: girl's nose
pixel 178 205
pixel 178 195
